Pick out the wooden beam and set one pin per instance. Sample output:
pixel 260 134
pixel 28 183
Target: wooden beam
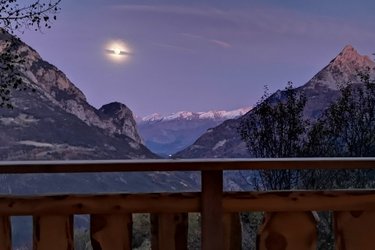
pixel 169 231
pixel 13 167
pixel 232 231
pixel 5 233
pixel 53 232
pixel 288 231
pixel 354 230
pixel 300 201
pixel 353 200
pixel 112 232
pixel 100 204
pixel 212 210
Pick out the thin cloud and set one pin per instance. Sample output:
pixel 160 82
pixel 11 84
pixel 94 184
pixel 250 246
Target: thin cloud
pixel 221 43
pixel 217 42
pixel 193 36
pixel 258 26
pixel 174 47
pixel 259 20
pixel 169 9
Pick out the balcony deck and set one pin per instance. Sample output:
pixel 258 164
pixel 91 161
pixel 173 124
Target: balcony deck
pixel 288 223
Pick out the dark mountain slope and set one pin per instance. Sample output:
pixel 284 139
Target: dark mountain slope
pixel 56 122
pixel 224 141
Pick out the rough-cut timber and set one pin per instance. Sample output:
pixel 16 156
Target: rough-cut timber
pixel 288 231
pixel 169 231
pixel 353 200
pixel 354 230
pixel 290 209
pixel 112 232
pixel 100 204
pixel 14 167
pixel 53 232
pixel 5 233
pixel 212 210
pixel 232 231
pixel 335 200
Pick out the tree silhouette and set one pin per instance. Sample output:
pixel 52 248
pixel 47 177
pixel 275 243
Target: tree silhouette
pixel 19 15
pixel 275 129
pixel 347 127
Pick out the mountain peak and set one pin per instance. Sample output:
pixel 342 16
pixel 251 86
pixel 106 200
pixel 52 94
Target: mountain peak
pixel 122 118
pixel 349 56
pixel 114 108
pixel 343 69
pixel 151 118
pixel 348 48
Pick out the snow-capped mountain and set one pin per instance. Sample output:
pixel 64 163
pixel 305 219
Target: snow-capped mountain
pixel 168 134
pixel 187 115
pixel 224 140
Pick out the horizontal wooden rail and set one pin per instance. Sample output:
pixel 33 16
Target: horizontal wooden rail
pixel 111 214
pixel 360 200
pixel 19 167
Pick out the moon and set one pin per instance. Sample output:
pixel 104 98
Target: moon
pixel 117 51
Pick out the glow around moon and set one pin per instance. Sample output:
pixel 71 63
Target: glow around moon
pixel 117 51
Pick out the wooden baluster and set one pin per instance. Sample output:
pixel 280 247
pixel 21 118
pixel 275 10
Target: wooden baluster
pixel 232 231
pixel 111 231
pixel 169 231
pixel 5 233
pixel 288 231
pixel 212 210
pixel 53 232
pixel 354 230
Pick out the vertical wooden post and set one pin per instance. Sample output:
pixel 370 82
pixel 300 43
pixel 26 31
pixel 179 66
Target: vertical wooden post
pixel 354 230
pixel 5 233
pixel 169 231
pixel 212 210
pixel 232 231
pixel 53 232
pixel 288 231
pixel 112 232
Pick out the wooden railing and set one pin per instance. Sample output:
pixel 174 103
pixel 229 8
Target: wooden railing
pixel 288 222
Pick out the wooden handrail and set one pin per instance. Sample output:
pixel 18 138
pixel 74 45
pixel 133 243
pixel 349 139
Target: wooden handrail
pixel 111 212
pixel 19 167
pixel 233 202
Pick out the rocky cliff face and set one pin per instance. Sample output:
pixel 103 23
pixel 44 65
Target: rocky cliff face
pixel 56 121
pixel 343 69
pixel 224 141
pixel 122 120
pixel 59 90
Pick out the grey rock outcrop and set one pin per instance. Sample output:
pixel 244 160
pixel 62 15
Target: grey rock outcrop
pixel 122 119
pixel 60 91
pixel 57 122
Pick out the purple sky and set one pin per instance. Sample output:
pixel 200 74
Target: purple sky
pixel 200 55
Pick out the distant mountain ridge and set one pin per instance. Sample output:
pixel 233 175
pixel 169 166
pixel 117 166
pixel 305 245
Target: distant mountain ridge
pixel 166 135
pixel 188 115
pixel 224 140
